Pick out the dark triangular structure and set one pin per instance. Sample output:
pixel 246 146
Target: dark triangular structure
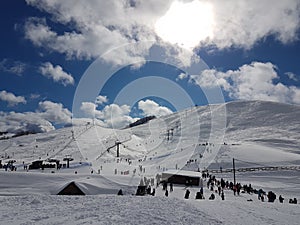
pixel 71 189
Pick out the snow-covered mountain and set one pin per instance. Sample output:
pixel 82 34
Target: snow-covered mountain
pixel 275 127
pixel 271 122
pixel 255 133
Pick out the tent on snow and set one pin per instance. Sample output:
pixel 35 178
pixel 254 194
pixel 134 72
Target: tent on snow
pixel 89 187
pixel 71 189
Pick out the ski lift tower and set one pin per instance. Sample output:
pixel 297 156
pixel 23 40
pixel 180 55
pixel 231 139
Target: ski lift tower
pixel 118 148
pixel 68 158
pixel 117 144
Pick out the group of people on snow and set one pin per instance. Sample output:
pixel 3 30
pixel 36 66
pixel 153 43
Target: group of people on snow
pixel 214 185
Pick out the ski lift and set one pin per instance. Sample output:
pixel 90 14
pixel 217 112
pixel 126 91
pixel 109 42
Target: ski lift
pixel 68 158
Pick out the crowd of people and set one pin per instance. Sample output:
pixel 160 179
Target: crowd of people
pixel 216 187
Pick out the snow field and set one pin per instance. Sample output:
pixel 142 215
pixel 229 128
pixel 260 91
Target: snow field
pixel 257 133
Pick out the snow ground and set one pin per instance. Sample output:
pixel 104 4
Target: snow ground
pixel 100 210
pixel 257 134
pixel 112 209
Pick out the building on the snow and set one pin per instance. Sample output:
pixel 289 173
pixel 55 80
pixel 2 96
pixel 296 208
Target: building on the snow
pixel 36 165
pixel 182 177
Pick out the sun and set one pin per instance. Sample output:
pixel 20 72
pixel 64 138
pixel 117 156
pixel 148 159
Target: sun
pixel 186 24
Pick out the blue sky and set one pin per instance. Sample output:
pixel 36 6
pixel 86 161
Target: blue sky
pixel 248 50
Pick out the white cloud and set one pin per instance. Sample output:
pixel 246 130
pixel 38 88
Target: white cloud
pixel 291 76
pixel 182 76
pixel 92 37
pixel 98 26
pixel 118 116
pixel 37 31
pixel 100 100
pixel 56 73
pixel 29 121
pixel 257 81
pixel 42 120
pixel 151 108
pixel 14 67
pixel 11 99
pixel 54 112
pixel 112 116
pixel 210 78
pixel 242 23
pixel 34 96
pixel 295 94
pixel 89 110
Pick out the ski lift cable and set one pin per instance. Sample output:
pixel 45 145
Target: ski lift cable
pixel 69 142
pixel 253 163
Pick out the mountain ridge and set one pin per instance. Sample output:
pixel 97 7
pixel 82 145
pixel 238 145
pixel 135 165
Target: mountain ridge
pixel 269 124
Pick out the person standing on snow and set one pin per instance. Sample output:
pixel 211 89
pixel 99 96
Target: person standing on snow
pixel 281 199
pixel 234 189
pixel 187 194
pixel 153 192
pixel 222 195
pixel 219 190
pixel 199 195
pixel 171 187
pixel 212 196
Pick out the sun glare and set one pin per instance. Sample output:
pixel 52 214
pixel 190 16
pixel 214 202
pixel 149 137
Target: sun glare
pixel 186 24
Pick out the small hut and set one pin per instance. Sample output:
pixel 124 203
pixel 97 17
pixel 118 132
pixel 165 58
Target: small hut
pixel 182 177
pixel 36 165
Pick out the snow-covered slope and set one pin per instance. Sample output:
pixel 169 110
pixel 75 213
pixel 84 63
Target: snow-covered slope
pixel 142 210
pixel 255 133
pixel 270 122
pixel 252 131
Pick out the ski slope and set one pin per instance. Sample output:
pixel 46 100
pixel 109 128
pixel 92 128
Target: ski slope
pixel 255 133
pixel 109 208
